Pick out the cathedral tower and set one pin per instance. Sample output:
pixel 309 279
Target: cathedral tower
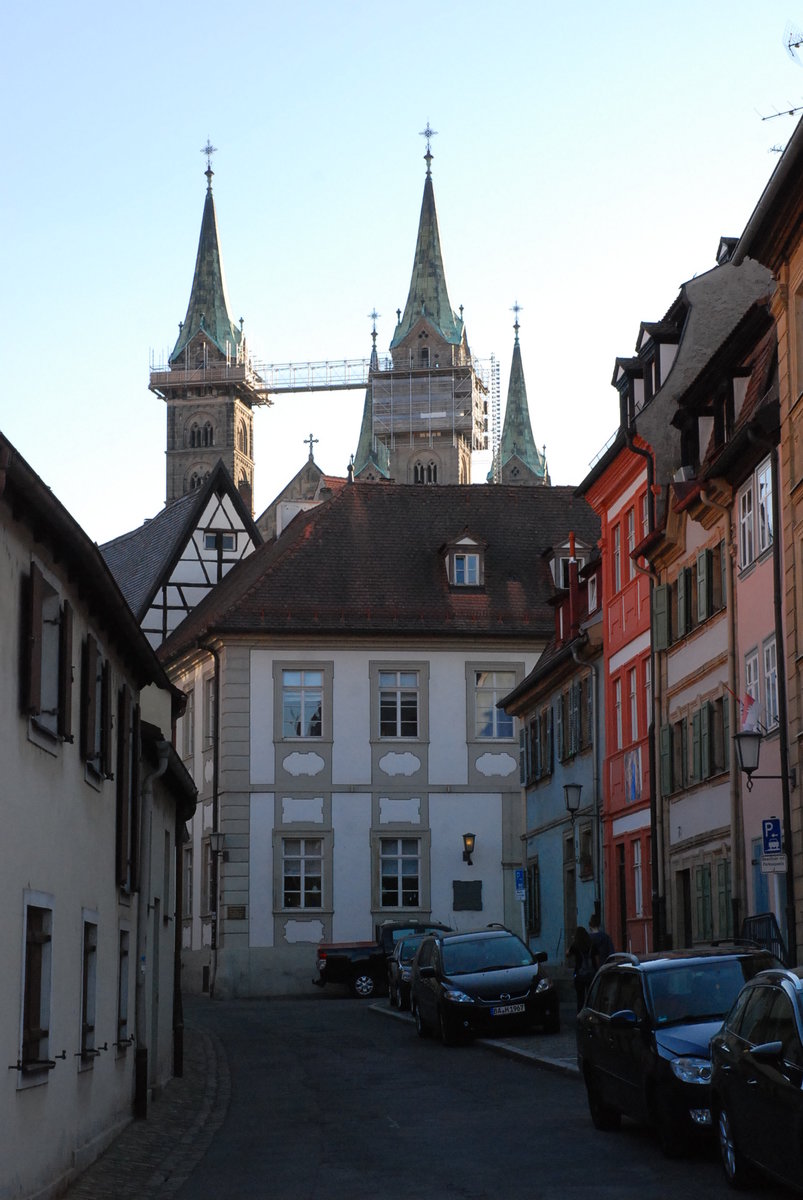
pixel 209 385
pixel 518 459
pixel 426 409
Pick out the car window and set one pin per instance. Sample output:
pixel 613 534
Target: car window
pixel 426 953
pixel 405 951
pixel 783 1028
pixel 485 954
pixel 733 1021
pixel 755 1022
pixel 628 994
pixel 698 990
pixel 606 993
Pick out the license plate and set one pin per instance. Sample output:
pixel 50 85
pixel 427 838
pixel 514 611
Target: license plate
pixel 504 1010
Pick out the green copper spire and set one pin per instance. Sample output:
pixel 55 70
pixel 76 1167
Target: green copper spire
pixel 428 296
pixel 517 439
pixel 208 307
pixel 371 452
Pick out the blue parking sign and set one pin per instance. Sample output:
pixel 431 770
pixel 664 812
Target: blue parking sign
pixel 520 889
pixel 771 831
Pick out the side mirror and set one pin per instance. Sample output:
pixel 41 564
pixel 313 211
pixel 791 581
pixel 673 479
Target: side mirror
pixel 427 972
pixel 767 1051
pixel 625 1018
pixel 540 956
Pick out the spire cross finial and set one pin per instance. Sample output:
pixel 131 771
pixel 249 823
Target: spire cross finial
pixel 374 316
pixel 516 309
pixel 209 150
pixel 313 441
pixel 429 134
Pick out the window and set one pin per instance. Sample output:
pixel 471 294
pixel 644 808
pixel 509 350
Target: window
pixel 755 515
pixel 592 593
pixel 638 891
pixel 89 988
pixel 467 570
pixel 399 872
pixel 562 578
pixel 680 754
pixel 704 917
pixel 633 680
pixel 645 515
pixel 648 690
pixel 208 878
pixel 187 883
pixel 617 558
pixel 188 726
pixel 123 963
pixel 764 506
pixel 489 688
pixel 35 1050
pixel 302 872
pixel 751 685
pixel 302 704
pixel 219 540
pixel 127 782
pixel 746 553
pixel 533 897
pixel 398 704
pixel 46 691
pixel 631 542
pixel 210 711
pixel 770 684
pixel 617 709
pixel 425 472
pixel 96 710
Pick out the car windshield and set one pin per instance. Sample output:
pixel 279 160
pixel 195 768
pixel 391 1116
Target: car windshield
pixel 695 991
pixel 408 948
pixel 485 954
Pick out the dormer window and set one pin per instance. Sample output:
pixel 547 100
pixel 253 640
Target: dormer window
pixel 592 594
pixel 467 570
pixel 562 573
pixel 465 563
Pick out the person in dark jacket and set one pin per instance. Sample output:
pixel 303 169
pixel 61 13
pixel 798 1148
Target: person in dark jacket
pixel 601 944
pixel 580 952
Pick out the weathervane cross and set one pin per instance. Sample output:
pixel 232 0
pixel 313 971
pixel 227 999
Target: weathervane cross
pixel 209 150
pixel 516 308
pixel 313 441
pixel 429 134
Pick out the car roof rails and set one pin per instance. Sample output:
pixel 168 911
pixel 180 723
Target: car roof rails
pixel 623 956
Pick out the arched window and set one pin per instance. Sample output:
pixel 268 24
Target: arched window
pixel 242 438
pixel 432 472
pixel 194 435
pixel 209 434
pixel 425 356
pixel 195 481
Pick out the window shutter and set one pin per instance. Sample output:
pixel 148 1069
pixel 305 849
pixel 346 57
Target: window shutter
pixel 666 759
pixel 32 657
pixel 535 733
pixel 550 742
pixel 123 786
pixel 136 755
pixel 106 721
pixel 706 726
pixel 522 757
pixel 723 566
pixel 704 585
pixel 696 745
pixel 660 617
pixel 683 601
pixel 726 732
pixel 88 699
pixel 560 727
pixel 65 673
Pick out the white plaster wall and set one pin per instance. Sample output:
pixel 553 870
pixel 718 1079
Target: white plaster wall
pixel 262 757
pixel 451 815
pixel 351 867
pixel 448 761
pixel 697 814
pixel 260 875
pixel 351 718
pixel 694 651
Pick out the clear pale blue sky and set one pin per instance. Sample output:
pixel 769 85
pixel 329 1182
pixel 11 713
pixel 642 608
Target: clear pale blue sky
pixel 588 158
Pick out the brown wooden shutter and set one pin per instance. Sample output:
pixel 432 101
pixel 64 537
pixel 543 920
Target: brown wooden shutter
pixel 32 656
pixel 136 754
pixel 89 699
pixel 105 764
pixel 123 848
pixel 65 673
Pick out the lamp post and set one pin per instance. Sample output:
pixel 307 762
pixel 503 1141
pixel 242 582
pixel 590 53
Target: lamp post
pixel 468 847
pixel 748 752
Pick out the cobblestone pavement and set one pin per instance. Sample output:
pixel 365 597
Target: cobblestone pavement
pixel 154 1157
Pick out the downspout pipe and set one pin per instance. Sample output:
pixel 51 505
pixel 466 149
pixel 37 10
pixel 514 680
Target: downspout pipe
pixel 656 825
pixel 143 916
pixel 215 813
pixel 737 831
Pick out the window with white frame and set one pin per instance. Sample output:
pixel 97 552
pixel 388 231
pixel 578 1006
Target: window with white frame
pixel 188 726
pixel 764 506
pixel 633 687
pixel 302 872
pixel 648 689
pixel 751 682
pixel 638 888
pixel 631 542
pixel 398 704
pixel 645 515
pixel 400 872
pixel 489 688
pixel 592 593
pixel 35 1049
pixel 187 883
pixel 746 542
pixel 617 558
pixel 302 703
pixel 617 710
pixel 89 988
pixel 210 711
pixel 755 515
pixel 770 684
pixel 467 570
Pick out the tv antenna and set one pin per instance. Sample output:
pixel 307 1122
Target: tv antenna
pixel 793 40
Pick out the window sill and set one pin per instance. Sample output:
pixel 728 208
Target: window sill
pixel 43 737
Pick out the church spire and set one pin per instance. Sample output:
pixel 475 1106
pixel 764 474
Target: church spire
pixel 518 457
pixel 428 296
pixel 208 309
pixel 372 459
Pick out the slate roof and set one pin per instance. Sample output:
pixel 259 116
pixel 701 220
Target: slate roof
pixel 142 559
pixel 428 296
pixel 370 561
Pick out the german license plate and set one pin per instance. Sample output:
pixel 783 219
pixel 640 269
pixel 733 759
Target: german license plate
pixel 504 1010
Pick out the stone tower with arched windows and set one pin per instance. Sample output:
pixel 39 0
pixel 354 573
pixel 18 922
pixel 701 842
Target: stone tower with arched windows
pixel 426 408
pixel 209 385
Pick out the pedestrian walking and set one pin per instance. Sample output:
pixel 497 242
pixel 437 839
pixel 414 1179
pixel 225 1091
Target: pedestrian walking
pixel 601 944
pixel 580 952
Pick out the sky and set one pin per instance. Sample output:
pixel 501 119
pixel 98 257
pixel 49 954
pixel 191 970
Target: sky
pixel 588 158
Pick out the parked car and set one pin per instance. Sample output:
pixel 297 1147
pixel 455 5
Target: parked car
pixel 643 1036
pixel 400 970
pixel 362 966
pixel 757 1063
pixel 483 982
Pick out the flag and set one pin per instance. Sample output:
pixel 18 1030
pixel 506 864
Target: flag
pixel 749 715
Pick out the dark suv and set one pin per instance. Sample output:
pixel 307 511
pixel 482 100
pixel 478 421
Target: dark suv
pixel 643 1036
pixel 483 982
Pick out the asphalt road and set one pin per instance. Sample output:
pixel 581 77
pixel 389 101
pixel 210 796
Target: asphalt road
pixel 332 1099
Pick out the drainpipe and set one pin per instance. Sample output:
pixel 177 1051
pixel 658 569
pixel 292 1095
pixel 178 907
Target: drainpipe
pixel 737 831
pixel 215 815
pixel 656 825
pixel 143 911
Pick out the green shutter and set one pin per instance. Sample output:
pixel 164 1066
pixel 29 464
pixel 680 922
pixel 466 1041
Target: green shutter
pixel 706 725
pixel 550 743
pixel 666 759
pixel 726 732
pixel 522 757
pixel 704 585
pixel 696 746
pixel 683 601
pixel 660 617
pixel 723 566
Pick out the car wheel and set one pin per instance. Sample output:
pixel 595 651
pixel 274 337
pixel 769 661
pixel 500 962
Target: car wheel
pixel 602 1115
pixel 420 1027
pixel 363 985
pixel 448 1030
pixel 737 1171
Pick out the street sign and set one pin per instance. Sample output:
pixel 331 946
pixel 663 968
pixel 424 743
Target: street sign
pixel 520 891
pixel 772 863
pixel 771 833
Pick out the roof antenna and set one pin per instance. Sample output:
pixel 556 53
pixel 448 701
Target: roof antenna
pixel 792 40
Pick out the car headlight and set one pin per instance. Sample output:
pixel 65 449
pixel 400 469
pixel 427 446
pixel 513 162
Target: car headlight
pixel 456 996
pixel 405 974
pixel 543 985
pixel 692 1070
